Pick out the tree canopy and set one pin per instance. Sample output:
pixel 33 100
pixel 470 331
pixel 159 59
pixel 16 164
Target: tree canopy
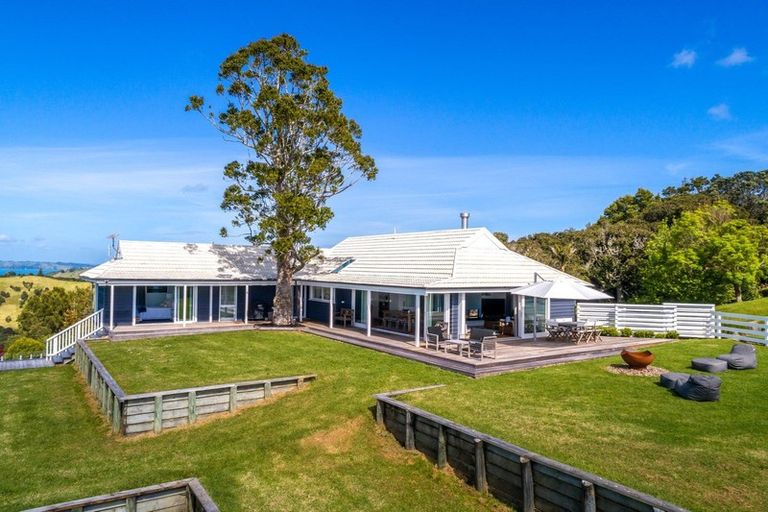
pixel 700 241
pixel 53 310
pixel 305 151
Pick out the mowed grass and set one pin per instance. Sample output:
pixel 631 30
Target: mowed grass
pixel 748 307
pixel 315 449
pixel 10 308
pixel 704 456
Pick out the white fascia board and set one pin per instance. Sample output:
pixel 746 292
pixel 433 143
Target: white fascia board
pixel 167 282
pixel 501 289
pixel 365 287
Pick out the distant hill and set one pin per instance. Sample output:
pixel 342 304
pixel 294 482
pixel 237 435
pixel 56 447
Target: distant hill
pixel 12 288
pixel 34 267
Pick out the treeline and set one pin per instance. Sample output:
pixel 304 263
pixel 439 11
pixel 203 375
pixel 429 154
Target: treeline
pixel 703 241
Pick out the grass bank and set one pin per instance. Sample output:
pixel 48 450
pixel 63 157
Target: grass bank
pixel 704 456
pixel 317 449
pixel 748 307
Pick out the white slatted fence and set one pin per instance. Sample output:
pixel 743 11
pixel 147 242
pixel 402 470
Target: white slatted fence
pixel 740 327
pixel 689 320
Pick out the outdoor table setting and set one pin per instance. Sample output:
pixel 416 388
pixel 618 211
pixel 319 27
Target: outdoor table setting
pixel 573 331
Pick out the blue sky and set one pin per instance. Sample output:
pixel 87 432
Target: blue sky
pixel 531 115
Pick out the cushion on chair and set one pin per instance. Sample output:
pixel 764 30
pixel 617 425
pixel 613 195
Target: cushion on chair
pixel 671 379
pixel 744 349
pixel 709 364
pixel 701 388
pixel 742 357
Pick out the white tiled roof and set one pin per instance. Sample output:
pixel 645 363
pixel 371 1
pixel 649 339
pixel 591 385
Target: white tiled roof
pixel 176 261
pixel 448 259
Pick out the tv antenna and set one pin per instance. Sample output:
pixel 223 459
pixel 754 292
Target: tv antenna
pixel 114 247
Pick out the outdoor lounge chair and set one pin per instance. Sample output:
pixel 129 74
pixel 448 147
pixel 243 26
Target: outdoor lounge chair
pixel 742 357
pixel 435 336
pixel 701 388
pixel 482 342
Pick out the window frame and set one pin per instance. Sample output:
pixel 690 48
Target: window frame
pixel 324 291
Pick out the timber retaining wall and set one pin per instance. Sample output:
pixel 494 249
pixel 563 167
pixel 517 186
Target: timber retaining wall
pixel 514 475
pixel 160 410
pixel 179 496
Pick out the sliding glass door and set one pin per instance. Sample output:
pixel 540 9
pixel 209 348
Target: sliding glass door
pixel 185 311
pixel 228 304
pixel 534 315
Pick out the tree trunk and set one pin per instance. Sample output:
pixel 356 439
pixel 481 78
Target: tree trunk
pixel 619 294
pixel 737 291
pixel 282 312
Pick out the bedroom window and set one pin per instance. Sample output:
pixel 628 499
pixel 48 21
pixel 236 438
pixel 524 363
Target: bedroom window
pixel 320 294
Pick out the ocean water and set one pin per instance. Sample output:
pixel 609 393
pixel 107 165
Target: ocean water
pixel 25 271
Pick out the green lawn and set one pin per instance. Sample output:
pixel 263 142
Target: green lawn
pixel 317 449
pixel 748 307
pixel 704 456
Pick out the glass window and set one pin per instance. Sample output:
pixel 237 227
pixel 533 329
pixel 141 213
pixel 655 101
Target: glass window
pixel 320 293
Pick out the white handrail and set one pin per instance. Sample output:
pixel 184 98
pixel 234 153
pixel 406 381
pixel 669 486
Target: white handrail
pixel 81 330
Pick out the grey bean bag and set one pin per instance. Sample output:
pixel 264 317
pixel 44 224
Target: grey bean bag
pixel 701 388
pixel 709 364
pixel 742 357
pixel 670 380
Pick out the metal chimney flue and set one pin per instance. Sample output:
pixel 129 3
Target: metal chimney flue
pixel 464 220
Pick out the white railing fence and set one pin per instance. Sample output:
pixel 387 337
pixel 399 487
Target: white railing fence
pixel 689 320
pixel 740 327
pixel 81 330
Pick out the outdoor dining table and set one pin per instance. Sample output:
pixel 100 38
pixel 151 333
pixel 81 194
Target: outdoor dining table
pixel 572 331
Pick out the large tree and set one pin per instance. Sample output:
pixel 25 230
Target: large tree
pixel 303 149
pixel 53 310
pixel 708 255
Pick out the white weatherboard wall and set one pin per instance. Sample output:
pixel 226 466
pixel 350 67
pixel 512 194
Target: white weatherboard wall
pixel 689 320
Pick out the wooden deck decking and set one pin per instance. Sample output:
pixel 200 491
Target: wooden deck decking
pixel 511 354
pixel 154 330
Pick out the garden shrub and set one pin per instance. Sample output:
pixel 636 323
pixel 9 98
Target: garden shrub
pixel 626 332
pixel 24 347
pixel 609 331
pixel 644 333
pixel 671 334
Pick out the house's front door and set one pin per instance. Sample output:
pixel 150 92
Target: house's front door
pixel 228 304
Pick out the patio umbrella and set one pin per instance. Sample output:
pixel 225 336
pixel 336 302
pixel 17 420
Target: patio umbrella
pixel 560 290
pixel 570 290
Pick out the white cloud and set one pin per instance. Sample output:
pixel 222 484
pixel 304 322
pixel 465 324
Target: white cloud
pixel 5 239
pixel 737 57
pixel 684 59
pixel 751 147
pixel 720 112
pixel 197 187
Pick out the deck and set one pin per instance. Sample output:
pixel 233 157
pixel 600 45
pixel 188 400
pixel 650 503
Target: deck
pixel 159 329
pixel 511 353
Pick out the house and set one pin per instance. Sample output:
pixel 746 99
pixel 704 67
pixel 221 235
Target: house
pixel 395 283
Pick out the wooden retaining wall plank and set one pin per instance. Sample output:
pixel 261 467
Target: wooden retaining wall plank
pixel 177 496
pixel 516 476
